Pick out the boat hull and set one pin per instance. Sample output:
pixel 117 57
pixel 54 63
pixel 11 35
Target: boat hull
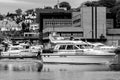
pixel 77 59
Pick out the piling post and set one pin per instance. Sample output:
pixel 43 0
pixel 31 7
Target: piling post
pixel 39 55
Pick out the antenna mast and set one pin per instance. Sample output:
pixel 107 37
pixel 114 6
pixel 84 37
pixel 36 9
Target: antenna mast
pixel 58 3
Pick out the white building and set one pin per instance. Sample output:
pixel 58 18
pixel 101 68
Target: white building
pixel 8 25
pixel 91 21
pixel 34 26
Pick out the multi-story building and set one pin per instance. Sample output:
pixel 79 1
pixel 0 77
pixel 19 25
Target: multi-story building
pixel 33 33
pixel 96 22
pixel 113 30
pixel 57 20
pixel 91 21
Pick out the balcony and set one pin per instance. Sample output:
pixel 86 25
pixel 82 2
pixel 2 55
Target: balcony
pixel 63 29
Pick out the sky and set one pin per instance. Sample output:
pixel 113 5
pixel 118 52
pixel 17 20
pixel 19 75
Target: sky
pixel 12 5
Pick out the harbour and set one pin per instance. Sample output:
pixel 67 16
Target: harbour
pixel 63 40
pixel 57 72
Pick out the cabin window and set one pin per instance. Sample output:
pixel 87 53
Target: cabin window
pixel 14 48
pixel 70 47
pixel 81 46
pixel 62 47
pixel 74 47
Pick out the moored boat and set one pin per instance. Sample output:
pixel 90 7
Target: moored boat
pixel 77 59
pixel 68 51
pixel 17 51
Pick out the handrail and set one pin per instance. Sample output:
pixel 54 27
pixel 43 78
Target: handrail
pixel 49 54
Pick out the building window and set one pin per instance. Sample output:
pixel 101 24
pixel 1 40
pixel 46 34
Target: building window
pixel 76 21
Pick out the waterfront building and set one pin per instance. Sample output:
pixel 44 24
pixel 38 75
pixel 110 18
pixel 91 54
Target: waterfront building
pixel 112 29
pixel 95 22
pixel 87 24
pixel 91 21
pixel 55 20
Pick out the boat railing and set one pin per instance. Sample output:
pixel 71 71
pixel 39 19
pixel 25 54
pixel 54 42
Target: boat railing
pixel 22 57
pixel 67 55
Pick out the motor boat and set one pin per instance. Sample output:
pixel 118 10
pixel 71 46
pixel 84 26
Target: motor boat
pixel 72 54
pixel 68 51
pixel 16 51
pixel 74 49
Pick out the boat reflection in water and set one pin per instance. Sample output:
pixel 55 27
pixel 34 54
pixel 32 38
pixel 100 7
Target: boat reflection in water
pixel 21 65
pixel 78 72
pixel 20 69
pixel 73 67
pixel 29 71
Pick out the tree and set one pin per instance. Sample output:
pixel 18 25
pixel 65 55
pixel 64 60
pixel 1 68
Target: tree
pixel 48 7
pixel 115 9
pixel 116 12
pixel 18 20
pixel 37 9
pixel 95 3
pixel 1 17
pixel 107 3
pixel 65 5
pixel 30 11
pixel 18 11
pixel 56 7
pixel 118 18
pixel 88 3
pixel 23 26
pixel 91 3
pixel 11 15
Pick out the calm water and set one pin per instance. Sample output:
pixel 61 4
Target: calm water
pixel 30 71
